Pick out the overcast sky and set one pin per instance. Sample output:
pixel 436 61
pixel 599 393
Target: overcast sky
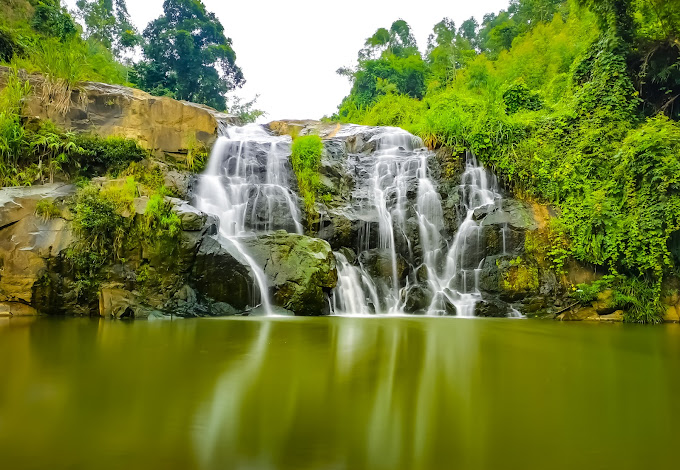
pixel 289 51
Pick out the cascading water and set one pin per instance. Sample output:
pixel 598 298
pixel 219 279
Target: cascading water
pixel 458 282
pixel 247 186
pixel 397 172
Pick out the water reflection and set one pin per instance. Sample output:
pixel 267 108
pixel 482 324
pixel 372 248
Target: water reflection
pixel 345 393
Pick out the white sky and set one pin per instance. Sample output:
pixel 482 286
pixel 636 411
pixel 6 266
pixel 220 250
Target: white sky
pixel 289 51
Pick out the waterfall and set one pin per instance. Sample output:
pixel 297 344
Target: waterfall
pixel 247 186
pixel 396 193
pixel 458 282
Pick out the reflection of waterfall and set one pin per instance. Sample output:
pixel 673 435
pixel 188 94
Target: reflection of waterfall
pixel 267 404
pixel 405 225
pixel 246 185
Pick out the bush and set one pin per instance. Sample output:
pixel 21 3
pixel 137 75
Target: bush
pixel 639 298
pixel 46 209
pixel 9 47
pixel 161 222
pixel 97 155
pixel 53 20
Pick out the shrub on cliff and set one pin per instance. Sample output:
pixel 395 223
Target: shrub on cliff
pixel 306 161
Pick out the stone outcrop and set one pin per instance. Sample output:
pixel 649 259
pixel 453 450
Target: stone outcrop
pixel 203 274
pixel 300 270
pixel 28 241
pixel 160 124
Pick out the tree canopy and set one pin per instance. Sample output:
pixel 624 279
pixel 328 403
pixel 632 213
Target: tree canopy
pixel 108 22
pixel 187 55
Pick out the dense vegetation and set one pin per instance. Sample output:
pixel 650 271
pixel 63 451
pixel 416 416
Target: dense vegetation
pixel 104 220
pixel 37 153
pixel 306 161
pixel 572 104
pixel 42 36
pixel 185 52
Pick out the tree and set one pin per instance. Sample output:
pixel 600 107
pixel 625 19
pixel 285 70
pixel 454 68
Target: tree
pixel 51 19
pixel 187 54
pixel 468 30
pixel 447 51
pixel 108 22
pixel 398 41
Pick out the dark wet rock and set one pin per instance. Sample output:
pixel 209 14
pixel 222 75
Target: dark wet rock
pixel 300 270
pixel 492 308
pixel 378 264
pixel 416 298
pixel 220 273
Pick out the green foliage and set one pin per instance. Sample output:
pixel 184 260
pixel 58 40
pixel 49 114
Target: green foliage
pixel 245 110
pixel 99 224
pixel 637 297
pixel 161 222
pixel 151 178
pixel 187 52
pixel 46 209
pixel 97 156
pixel 53 46
pixel 197 155
pixel 107 228
pixel 53 20
pixel 108 22
pixel 518 97
pixel 306 161
pixel 9 46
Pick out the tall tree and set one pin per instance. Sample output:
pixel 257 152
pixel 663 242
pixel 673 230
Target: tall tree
pixel 398 41
pixel 188 55
pixel 448 51
pixel 108 22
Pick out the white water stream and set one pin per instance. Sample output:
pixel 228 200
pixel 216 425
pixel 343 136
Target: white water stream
pixel 246 185
pixel 453 266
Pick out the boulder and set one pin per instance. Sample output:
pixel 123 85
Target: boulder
pixel 378 264
pixel 116 302
pixel 416 298
pixel 191 218
pixel 616 316
pixel 604 304
pixel 671 314
pixel 579 314
pixel 16 309
pixel 492 308
pixel 300 270
pixel 221 273
pixel 514 213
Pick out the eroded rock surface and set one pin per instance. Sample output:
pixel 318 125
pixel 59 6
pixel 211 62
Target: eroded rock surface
pixel 159 124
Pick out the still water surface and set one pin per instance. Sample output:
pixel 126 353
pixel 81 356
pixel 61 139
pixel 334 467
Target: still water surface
pixel 338 393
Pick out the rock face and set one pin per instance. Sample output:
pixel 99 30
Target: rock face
pixel 513 275
pixel 159 124
pixel 203 274
pixel 300 270
pixel 28 242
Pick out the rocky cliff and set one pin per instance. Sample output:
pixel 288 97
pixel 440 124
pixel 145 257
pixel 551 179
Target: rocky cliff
pixel 202 272
pixel 160 124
